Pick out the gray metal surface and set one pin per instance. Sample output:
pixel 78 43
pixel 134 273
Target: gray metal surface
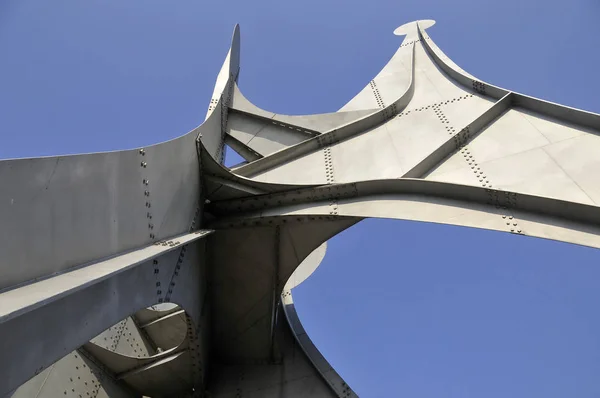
pixel 112 285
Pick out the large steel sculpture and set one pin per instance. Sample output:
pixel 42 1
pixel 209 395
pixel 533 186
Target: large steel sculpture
pixel 189 264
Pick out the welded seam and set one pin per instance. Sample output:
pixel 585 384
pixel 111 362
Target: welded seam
pixel 249 154
pixel 272 120
pixel 231 334
pixel 44 382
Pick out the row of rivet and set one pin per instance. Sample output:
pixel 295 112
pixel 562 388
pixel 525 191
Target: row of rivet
pixel 159 292
pixel 275 221
pixel 181 258
pixel 493 195
pixel 435 105
pixel 409 43
pixel 389 112
pixel 83 371
pixel 112 333
pixel 479 174
pixel 327 139
pixel 505 204
pixel 145 184
pixel 170 243
pixel 213 104
pixel 241 378
pixel 329 176
pixel 117 337
pixel 346 390
pixel 175 273
pixel 443 119
pixel 220 153
pixel 376 93
pixel 157 281
pixel 321 193
pixel 333 207
pixel 133 343
pixel 224 118
pixel 195 355
pixel 478 86
pixel 461 140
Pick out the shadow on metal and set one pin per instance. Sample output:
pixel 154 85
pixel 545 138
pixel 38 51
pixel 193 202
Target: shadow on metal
pixel 91 239
pixel 156 352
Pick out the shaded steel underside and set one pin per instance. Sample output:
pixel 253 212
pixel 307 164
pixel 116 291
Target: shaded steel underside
pixel 158 271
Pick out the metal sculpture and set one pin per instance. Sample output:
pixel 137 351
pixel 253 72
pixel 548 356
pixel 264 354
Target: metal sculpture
pixel 112 240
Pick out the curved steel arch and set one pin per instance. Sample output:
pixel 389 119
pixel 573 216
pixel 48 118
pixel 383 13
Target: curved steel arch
pixel 89 240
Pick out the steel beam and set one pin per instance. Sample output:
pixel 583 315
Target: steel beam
pixel 83 237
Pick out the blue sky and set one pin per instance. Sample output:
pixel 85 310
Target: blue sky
pixel 399 308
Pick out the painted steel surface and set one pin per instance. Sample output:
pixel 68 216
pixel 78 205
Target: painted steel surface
pixel 108 266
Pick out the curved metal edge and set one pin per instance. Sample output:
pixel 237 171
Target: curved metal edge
pixel 18 301
pixel 227 74
pixel 319 362
pixel 561 112
pixel 170 323
pixel 462 137
pixel 222 176
pixel 120 363
pixel 568 217
pixel 332 136
pixel 60 326
pixel 148 315
pixel 134 370
pixel 371 89
pixel 455 72
pixel 241 104
pixel 229 71
pixel 333 379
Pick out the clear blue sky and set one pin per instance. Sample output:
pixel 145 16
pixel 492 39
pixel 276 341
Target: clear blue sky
pixel 400 309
